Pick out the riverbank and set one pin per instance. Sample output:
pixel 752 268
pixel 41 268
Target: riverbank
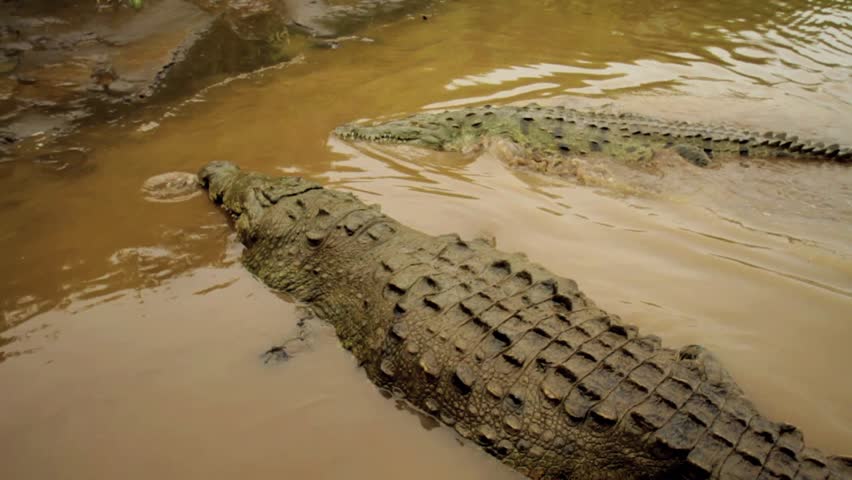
pixel 81 62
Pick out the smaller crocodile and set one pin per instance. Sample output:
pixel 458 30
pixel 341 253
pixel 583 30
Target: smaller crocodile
pixel 556 131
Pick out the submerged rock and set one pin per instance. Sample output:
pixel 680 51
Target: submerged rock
pixel 8 63
pixel 171 187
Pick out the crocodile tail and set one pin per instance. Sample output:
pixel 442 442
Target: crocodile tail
pixel 691 416
pixel 738 443
pixel 840 466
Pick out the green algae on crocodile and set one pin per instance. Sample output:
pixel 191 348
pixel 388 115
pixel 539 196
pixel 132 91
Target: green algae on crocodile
pixel 559 131
pixel 513 357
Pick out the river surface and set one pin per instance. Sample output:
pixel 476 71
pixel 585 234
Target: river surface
pixel 131 337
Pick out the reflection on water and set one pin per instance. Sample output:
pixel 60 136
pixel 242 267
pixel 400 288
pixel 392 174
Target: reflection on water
pixel 753 260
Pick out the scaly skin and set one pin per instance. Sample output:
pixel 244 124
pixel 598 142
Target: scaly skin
pixel 558 131
pixel 513 357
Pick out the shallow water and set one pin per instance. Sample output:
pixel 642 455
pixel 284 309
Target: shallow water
pixel 132 338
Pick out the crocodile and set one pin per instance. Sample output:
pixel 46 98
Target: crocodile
pixel 550 133
pixel 516 359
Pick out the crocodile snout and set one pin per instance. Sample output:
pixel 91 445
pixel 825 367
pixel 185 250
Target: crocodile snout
pixel 216 176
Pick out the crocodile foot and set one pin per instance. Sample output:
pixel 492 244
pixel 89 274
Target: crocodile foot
pixel 300 340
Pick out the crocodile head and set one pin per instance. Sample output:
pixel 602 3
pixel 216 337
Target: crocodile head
pixel 465 130
pixel 417 131
pixel 247 196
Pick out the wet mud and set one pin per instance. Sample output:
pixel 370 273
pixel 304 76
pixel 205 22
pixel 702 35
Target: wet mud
pixel 77 62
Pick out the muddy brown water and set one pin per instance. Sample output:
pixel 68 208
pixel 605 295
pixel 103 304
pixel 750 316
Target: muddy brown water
pixel 131 336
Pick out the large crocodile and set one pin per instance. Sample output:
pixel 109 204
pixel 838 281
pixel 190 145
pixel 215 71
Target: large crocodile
pixel 513 357
pixel 551 132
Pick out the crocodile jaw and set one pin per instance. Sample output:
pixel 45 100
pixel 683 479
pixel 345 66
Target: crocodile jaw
pixel 399 132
